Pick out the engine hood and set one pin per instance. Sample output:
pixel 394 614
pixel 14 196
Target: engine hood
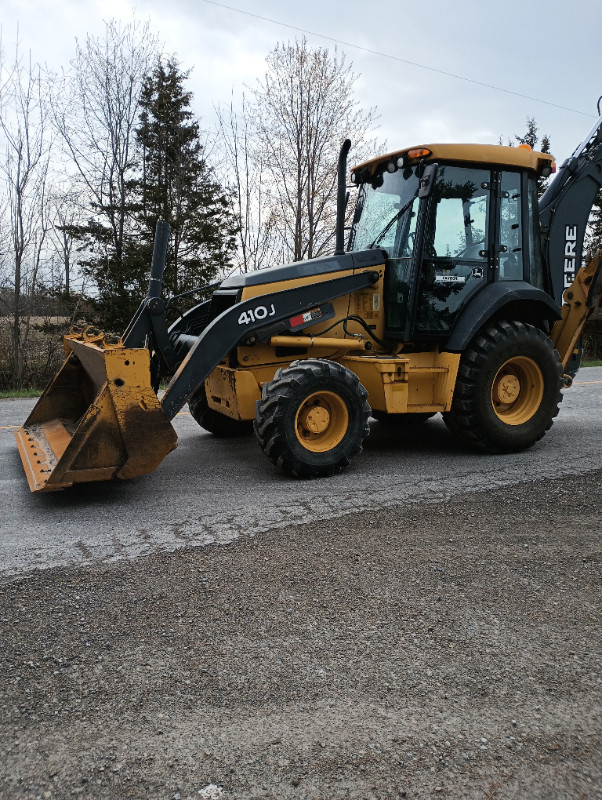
pixel 304 269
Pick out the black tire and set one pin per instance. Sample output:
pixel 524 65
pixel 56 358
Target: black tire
pixel 508 389
pixel 218 424
pixel 312 418
pixel 401 420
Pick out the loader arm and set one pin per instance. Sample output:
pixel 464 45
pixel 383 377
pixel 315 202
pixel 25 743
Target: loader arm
pixel 227 330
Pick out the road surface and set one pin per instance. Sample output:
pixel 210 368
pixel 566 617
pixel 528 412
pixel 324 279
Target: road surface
pixel 211 490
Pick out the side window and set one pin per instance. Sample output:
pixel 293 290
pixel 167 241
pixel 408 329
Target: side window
pixel 536 266
pixel 461 218
pixel 511 230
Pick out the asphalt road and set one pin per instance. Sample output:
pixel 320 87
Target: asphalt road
pixel 215 491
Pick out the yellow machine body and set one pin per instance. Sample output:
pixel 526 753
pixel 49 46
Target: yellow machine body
pixel 233 358
pixel 415 383
pixel 396 383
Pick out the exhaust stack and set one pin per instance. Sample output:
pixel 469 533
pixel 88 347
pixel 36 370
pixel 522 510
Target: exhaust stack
pixel 341 198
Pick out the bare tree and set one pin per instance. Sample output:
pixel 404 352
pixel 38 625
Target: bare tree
pixel 245 173
pixel 96 111
pixel 24 168
pixel 67 217
pixel 304 108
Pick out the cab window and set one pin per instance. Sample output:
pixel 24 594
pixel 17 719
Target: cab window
pixel 461 219
pixel 511 230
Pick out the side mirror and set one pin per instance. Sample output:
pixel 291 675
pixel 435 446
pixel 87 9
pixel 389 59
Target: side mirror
pixel 427 174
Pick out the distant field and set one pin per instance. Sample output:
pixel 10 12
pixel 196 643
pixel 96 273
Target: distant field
pixel 6 322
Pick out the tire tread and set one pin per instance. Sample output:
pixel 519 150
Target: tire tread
pixel 276 396
pixel 468 421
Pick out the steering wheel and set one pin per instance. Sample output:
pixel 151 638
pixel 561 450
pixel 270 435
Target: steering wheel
pixel 473 251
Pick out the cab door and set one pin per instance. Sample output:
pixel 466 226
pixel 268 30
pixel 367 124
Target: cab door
pixel 456 252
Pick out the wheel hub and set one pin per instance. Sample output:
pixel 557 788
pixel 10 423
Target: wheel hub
pixel 508 389
pixel 517 390
pixel 314 419
pixel 321 421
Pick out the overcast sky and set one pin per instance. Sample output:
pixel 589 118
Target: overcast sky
pixel 549 52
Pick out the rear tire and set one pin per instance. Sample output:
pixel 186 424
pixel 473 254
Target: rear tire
pixel 312 418
pixel 218 424
pixel 508 389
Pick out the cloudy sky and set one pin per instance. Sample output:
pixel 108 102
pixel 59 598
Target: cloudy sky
pixel 449 70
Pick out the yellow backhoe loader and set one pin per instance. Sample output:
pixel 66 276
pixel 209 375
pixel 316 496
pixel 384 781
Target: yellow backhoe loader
pixel 447 298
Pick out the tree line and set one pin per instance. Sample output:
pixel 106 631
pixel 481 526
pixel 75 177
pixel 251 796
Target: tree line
pixel 91 158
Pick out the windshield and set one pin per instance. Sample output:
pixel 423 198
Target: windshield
pixel 385 214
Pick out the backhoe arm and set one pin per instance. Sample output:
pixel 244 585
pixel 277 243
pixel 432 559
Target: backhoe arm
pixel 564 211
pixel 580 300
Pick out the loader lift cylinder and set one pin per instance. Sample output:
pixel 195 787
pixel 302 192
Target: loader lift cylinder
pixel 145 319
pixel 155 283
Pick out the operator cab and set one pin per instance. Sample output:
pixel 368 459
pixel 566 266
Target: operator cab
pixel 452 219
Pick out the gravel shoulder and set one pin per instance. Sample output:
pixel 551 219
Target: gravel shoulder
pixel 442 649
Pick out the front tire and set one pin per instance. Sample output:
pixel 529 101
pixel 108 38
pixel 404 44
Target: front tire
pixel 508 389
pixel 312 418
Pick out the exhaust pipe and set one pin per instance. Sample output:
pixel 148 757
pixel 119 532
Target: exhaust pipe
pixel 341 198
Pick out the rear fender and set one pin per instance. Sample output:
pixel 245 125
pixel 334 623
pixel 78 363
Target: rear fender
pixel 512 300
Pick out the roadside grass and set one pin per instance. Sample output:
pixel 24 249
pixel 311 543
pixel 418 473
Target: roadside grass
pixel 14 393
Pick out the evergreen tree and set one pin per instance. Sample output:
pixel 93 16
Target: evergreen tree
pixel 594 238
pixel 177 185
pixel 531 138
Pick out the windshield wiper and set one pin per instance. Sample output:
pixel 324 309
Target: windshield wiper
pixel 392 222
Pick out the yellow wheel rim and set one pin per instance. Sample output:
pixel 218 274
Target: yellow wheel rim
pixel 321 421
pixel 517 390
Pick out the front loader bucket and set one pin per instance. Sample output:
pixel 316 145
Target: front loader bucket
pixel 98 419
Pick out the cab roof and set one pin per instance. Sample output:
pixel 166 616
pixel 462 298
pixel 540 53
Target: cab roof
pixel 522 157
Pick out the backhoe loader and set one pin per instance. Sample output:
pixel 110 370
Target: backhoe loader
pixel 457 292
